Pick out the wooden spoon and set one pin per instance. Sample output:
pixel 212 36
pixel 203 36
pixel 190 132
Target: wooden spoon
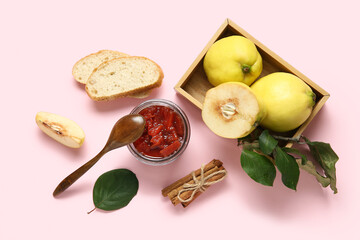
pixel 125 131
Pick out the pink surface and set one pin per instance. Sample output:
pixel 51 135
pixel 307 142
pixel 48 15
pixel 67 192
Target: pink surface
pixel 40 42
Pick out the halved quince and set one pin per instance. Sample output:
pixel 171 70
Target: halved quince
pixel 61 129
pixel 232 110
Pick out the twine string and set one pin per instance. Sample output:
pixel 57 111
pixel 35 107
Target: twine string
pixel 199 184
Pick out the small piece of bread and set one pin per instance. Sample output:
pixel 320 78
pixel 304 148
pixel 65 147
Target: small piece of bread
pixel 124 76
pixel 85 66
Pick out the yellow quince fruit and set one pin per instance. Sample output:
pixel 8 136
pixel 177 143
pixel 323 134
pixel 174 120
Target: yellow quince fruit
pixel 232 59
pixel 288 101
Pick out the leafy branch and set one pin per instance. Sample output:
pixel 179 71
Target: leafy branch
pixel 262 153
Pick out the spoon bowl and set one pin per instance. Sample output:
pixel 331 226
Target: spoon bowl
pixel 125 131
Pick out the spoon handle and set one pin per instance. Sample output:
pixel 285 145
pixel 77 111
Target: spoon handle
pixel 69 180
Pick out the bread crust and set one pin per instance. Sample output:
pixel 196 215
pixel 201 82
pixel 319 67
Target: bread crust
pixel 139 90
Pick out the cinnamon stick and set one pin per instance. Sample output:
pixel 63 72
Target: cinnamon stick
pixel 174 193
pixel 187 194
pixel 189 177
pixel 173 190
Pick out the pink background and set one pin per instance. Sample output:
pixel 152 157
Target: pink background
pixel 40 42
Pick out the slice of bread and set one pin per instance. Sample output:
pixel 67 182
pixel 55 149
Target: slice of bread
pixel 124 76
pixel 85 66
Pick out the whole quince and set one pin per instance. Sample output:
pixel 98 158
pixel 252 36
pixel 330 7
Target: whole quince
pixel 287 99
pixel 232 59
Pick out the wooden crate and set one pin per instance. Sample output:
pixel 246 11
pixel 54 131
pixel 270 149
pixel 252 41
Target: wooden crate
pixel 194 84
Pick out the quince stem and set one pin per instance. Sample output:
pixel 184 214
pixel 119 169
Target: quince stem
pixel 313 96
pixel 92 210
pixel 245 68
pixel 296 139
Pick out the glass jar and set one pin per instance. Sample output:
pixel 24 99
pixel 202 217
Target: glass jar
pixel 152 160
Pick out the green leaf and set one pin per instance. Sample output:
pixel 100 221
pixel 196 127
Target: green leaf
pixel 310 168
pixel 115 189
pixel 297 152
pixel 288 167
pixel 327 158
pixel 258 167
pixel 267 142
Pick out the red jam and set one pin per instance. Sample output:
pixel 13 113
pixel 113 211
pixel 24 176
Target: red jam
pixel 164 131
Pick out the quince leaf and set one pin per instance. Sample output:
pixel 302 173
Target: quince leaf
pixel 310 168
pixel 115 189
pixel 297 152
pixel 288 167
pixel 267 142
pixel 326 157
pixel 258 167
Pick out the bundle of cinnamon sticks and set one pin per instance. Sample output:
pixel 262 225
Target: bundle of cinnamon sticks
pixel 188 188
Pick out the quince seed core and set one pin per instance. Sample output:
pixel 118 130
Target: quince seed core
pixel 228 110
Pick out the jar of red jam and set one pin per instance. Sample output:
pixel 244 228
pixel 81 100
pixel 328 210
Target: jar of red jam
pixel 166 133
